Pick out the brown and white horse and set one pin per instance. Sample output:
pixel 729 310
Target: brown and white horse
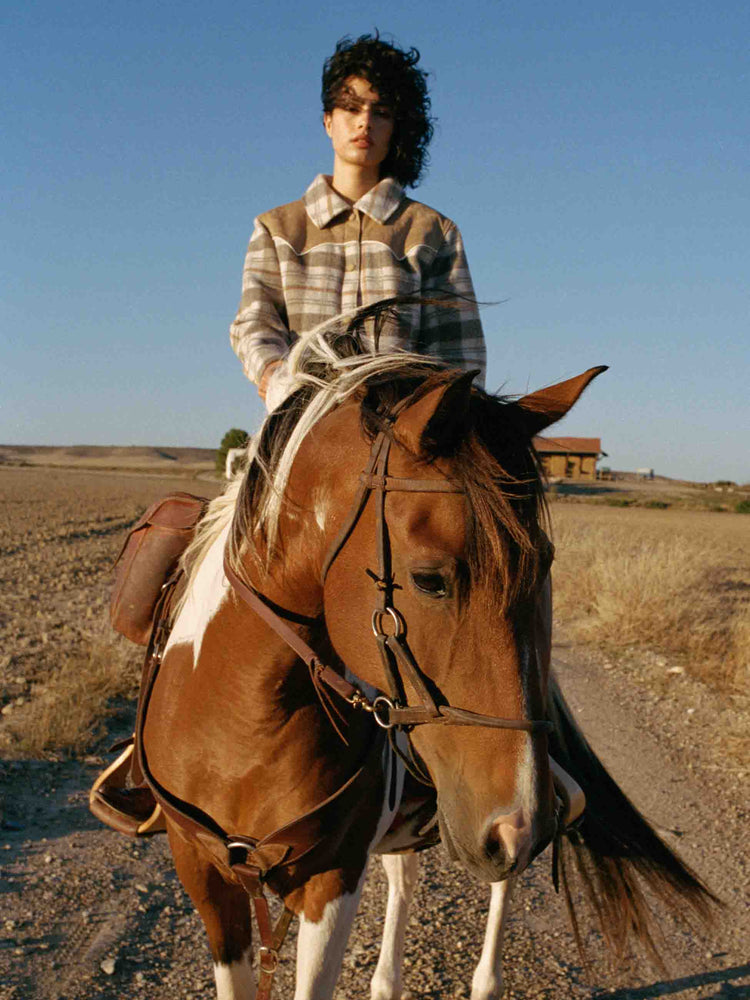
pixel 438 550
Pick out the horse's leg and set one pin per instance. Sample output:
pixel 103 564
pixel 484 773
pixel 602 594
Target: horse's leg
pixel 487 982
pixel 401 870
pixel 325 921
pixel 225 911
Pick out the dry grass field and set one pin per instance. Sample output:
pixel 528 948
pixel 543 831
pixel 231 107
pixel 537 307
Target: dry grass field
pixel 675 581
pixel 62 669
pixel 102 458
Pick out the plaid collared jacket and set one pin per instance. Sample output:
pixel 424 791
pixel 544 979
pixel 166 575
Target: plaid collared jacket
pixel 317 257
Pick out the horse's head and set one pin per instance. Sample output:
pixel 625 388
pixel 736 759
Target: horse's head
pixel 465 573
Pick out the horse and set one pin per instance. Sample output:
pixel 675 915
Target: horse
pixel 360 662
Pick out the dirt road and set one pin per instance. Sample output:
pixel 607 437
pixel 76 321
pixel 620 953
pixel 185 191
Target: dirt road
pixel 87 913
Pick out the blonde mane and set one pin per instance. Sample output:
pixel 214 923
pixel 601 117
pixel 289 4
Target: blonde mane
pixel 328 366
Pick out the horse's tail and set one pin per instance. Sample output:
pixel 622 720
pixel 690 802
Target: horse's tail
pixel 615 852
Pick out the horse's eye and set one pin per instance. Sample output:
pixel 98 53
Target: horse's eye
pixel 430 582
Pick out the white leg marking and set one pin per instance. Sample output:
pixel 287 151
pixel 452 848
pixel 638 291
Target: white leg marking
pixel 402 870
pixel 207 592
pixel 236 980
pixel 321 947
pixel 487 982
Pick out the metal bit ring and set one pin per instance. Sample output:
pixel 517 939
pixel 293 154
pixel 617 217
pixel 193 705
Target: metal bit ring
pixel 384 723
pixel 377 622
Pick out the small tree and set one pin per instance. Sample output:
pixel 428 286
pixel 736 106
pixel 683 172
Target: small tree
pixel 234 438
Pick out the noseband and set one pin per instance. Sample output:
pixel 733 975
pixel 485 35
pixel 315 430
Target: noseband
pixel 389 712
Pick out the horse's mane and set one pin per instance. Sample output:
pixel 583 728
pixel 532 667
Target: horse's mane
pixel 494 462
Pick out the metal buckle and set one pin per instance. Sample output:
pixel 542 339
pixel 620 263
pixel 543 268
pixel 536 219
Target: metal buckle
pixel 377 622
pixel 243 844
pixel 272 956
pixel 384 723
pixel 358 700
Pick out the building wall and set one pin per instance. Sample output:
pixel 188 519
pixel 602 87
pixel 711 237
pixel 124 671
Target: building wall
pixel 588 467
pixel 554 465
pixel 569 466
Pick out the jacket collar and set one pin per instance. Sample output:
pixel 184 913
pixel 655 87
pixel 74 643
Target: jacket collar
pixel 323 204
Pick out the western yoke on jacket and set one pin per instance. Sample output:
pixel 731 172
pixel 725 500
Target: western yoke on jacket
pixel 318 257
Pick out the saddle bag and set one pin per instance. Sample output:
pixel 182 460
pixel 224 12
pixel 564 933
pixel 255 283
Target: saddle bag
pixel 148 558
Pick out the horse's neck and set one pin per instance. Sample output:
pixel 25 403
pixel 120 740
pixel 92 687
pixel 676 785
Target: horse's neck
pixel 318 498
pixel 257 705
pixel 206 592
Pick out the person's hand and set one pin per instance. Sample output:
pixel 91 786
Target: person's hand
pixel 264 379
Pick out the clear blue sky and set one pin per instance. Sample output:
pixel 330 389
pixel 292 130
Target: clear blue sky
pixel 595 156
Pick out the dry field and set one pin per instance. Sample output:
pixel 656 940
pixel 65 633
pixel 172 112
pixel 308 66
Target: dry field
pixel 148 460
pixel 60 664
pixel 88 914
pixel 672 581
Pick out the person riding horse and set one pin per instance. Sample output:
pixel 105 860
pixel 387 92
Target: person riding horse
pixel 353 240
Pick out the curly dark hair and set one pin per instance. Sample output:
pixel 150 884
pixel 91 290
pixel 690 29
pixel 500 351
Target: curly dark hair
pixel 401 85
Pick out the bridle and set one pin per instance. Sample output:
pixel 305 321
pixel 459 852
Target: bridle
pixel 297 843
pixel 389 712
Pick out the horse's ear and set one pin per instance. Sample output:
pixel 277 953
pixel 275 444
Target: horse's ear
pixel 545 407
pixel 437 422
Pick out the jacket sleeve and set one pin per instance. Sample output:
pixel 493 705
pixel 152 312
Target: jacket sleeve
pixel 452 331
pixel 260 332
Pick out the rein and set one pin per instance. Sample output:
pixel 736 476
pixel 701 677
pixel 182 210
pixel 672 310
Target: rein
pixel 388 712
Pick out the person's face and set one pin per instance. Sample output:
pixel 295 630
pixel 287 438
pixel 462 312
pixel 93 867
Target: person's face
pixel 360 126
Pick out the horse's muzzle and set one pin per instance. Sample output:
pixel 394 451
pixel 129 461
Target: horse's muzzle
pixel 508 844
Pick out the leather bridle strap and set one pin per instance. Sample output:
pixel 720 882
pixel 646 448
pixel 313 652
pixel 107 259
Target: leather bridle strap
pixel 321 675
pixel 369 481
pixel 387 712
pixel 394 649
pixel 360 500
pixel 261 607
pixel 396 484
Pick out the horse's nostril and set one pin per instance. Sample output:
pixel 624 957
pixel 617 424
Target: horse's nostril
pixel 493 846
pixel 509 838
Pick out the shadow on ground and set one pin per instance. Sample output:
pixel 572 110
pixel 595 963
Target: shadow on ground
pixel 725 979
pixel 584 489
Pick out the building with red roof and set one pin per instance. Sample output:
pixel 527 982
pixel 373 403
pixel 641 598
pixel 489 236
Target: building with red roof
pixel 569 457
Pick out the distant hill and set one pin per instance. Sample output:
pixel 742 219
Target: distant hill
pixel 84 456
